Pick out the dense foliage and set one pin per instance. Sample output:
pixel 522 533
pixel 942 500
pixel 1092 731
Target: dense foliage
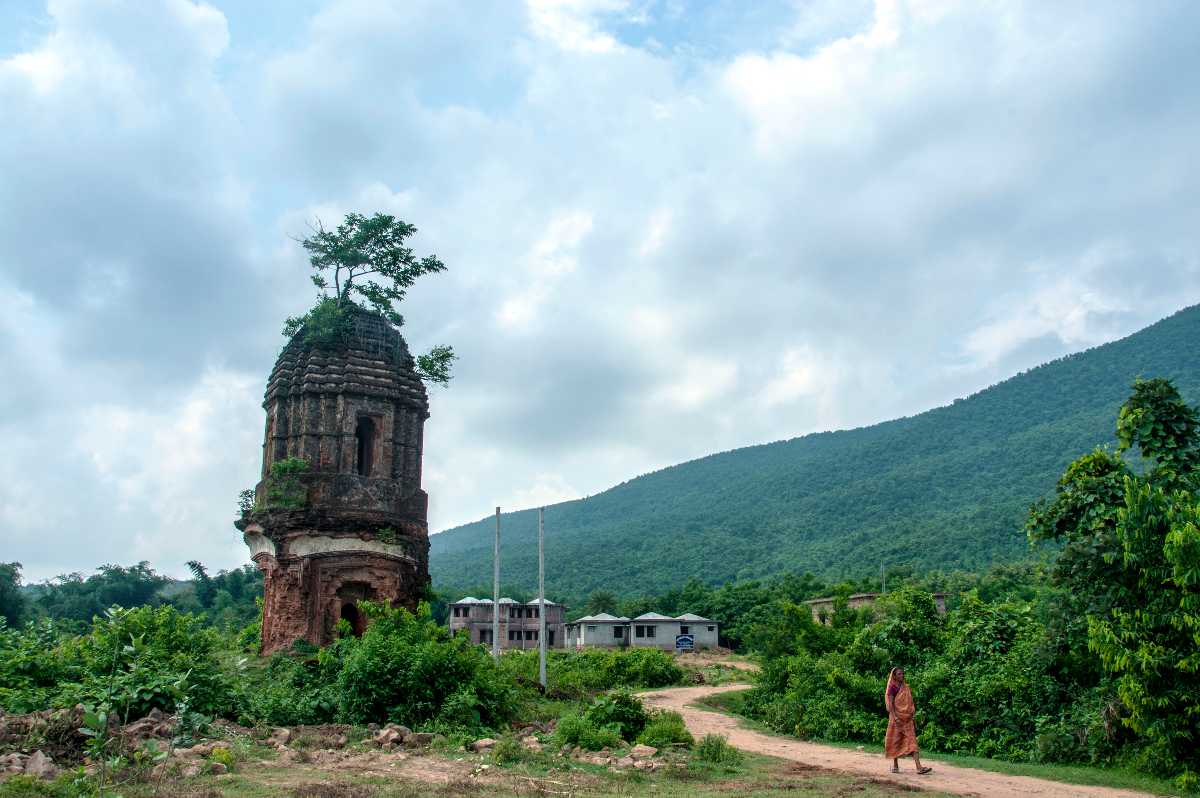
pixel 227 600
pixel 12 602
pixel 132 661
pixel 1094 661
pixel 406 668
pixel 409 670
pixel 575 675
pixel 946 489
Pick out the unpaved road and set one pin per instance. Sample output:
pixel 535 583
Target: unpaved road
pixel 944 778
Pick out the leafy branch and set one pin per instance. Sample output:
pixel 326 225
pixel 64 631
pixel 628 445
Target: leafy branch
pixel 370 265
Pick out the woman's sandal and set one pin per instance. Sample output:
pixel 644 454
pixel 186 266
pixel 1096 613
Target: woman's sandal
pixel 924 770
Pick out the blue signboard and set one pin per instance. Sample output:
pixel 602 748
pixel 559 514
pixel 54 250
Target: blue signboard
pixel 685 642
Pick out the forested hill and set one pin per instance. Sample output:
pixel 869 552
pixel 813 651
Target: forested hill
pixel 948 488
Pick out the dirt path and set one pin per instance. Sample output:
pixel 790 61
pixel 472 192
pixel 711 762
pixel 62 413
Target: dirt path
pixel 944 778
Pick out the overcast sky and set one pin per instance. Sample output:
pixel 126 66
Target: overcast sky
pixel 671 229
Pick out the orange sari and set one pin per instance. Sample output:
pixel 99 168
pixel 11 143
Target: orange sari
pixel 901 739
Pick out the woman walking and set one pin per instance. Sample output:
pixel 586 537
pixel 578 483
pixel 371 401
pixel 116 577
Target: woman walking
pixel 901 737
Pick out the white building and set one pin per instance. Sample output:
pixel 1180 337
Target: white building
pixel 703 631
pixel 602 630
pixel 650 630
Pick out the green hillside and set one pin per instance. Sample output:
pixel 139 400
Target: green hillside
pixel 948 488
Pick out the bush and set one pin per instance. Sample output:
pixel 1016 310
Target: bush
pixel 577 675
pixel 619 710
pixel 33 787
pixel 716 750
pixel 223 756
pixel 32 666
pixel 295 689
pixel 161 654
pixel 575 729
pixel 509 751
pixel 408 669
pixel 132 661
pixel 665 729
pixel 826 697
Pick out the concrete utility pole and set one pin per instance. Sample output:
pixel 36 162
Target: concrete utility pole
pixel 496 591
pixel 542 596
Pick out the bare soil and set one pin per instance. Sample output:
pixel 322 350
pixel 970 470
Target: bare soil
pixel 944 778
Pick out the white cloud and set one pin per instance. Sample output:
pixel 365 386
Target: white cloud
pixel 547 488
pixel 571 25
pixel 665 237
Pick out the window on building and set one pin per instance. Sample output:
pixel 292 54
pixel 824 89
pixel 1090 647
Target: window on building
pixel 550 638
pixel 364 433
pixel 514 634
pixel 485 635
pixel 712 628
pixel 639 631
pixel 531 634
pixel 591 628
pixel 650 630
pixel 684 630
pixel 619 632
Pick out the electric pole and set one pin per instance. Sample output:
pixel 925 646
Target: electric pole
pixel 542 596
pixel 496 591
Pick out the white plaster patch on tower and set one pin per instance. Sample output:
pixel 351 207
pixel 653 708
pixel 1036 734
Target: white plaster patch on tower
pixel 308 545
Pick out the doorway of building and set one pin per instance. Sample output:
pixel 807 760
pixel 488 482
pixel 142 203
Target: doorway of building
pixel 352 615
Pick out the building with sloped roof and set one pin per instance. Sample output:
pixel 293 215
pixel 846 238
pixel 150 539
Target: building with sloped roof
pixel 649 630
pixel 520 623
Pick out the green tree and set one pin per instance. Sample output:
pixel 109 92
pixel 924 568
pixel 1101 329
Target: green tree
pixel 370 264
pixel 206 589
pixel 12 603
pixel 73 598
pixel 1150 639
pixel 600 601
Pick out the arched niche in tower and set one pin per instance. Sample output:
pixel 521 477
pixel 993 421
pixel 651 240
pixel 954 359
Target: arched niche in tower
pixel 365 435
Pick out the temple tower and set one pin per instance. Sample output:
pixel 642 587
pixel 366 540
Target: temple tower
pixel 352 524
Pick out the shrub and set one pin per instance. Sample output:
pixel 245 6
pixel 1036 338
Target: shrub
pixel 665 729
pixel 131 661
pixel 223 756
pixel 576 675
pixel 575 729
pixel 716 750
pixel 294 690
pixel 406 669
pixel 31 666
pixel 34 787
pixel 508 751
pixel 619 710
pixel 285 489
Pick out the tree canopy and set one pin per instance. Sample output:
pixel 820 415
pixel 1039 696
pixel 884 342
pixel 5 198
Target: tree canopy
pixel 369 263
pixel 12 603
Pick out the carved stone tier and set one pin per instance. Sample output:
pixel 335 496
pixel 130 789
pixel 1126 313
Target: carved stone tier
pixel 355 413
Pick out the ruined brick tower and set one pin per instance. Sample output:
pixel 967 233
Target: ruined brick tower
pixel 353 524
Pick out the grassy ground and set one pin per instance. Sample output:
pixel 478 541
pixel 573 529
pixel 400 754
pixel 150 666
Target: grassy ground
pixel 732 704
pixel 758 777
